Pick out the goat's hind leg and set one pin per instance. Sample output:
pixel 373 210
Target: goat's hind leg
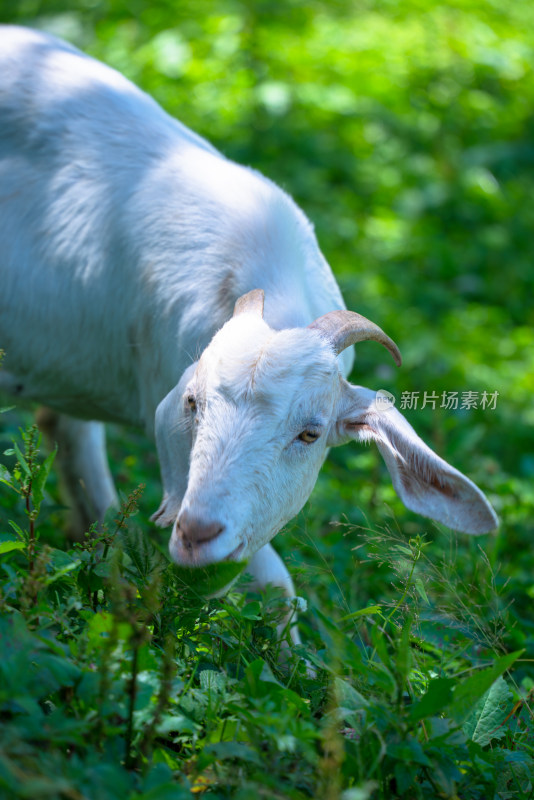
pixel 85 479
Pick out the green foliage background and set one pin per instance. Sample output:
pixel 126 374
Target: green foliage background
pixel 405 131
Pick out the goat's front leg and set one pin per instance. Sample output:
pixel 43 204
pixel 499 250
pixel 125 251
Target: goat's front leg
pixel 266 567
pixel 85 478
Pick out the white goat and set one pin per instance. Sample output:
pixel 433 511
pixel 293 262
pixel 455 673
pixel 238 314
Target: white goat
pixel 126 240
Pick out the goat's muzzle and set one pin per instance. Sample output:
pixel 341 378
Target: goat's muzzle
pixel 195 531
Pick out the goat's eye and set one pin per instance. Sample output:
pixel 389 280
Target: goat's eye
pixel 191 402
pixel 308 436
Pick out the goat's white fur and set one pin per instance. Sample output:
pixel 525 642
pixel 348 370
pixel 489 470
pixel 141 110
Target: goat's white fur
pixel 125 241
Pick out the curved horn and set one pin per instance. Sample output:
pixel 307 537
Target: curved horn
pixel 250 302
pixel 343 328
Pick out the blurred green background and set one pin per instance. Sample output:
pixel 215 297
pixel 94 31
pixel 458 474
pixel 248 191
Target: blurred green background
pixel 405 131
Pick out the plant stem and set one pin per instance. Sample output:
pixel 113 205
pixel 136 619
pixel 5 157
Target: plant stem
pixel 405 592
pixel 31 542
pixel 132 692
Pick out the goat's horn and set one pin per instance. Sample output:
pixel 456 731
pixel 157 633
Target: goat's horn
pixel 343 328
pixel 252 301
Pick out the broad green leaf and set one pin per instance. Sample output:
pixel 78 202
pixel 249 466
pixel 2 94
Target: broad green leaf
pixel 468 693
pixel 6 478
pixel 7 547
pixel 61 572
pixel 362 612
pixel 348 697
pixel 156 776
pixel 340 643
pixel 5 475
pixel 103 569
pixel 41 478
pixel 404 550
pixel 259 672
pixel 145 558
pixel 64 672
pixel 251 610
pixel 203 582
pixel 20 458
pixel 259 681
pixel 483 724
pixel 409 750
pixel 419 585
pixel 212 681
pixel 437 697
pixel 404 657
pixel 222 750
pixel 18 530
pixel 175 723
pixel 61 558
pixel 404 775
pixel 102 625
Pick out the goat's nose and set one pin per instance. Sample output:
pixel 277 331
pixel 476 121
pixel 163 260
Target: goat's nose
pixel 196 530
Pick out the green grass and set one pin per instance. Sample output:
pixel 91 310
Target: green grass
pixel 119 678
pixel 405 132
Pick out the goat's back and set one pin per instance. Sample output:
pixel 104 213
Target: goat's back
pixel 125 238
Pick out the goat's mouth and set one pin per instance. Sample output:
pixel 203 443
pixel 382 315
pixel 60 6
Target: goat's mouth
pixel 202 554
pixel 234 555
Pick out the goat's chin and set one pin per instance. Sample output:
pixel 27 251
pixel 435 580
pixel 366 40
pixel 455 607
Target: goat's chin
pixel 203 555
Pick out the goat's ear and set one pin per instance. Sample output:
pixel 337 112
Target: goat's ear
pixel 424 481
pixel 173 441
pixel 251 302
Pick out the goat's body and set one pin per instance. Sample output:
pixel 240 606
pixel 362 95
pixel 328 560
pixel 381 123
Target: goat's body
pixel 97 180
pixel 125 240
